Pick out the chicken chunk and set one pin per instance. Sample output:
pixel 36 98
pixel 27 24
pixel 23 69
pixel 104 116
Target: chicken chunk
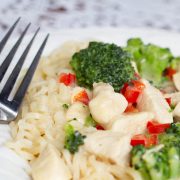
pixel 109 145
pixel 106 105
pixel 50 166
pixel 99 87
pixel 131 123
pixel 176 80
pixel 77 111
pixel 152 100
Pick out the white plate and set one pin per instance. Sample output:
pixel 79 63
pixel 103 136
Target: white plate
pixel 12 167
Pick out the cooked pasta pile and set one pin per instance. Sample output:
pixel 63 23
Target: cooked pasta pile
pixel 42 119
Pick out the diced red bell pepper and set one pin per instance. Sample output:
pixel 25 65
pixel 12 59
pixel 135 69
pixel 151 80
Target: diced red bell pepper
pixel 152 123
pixel 138 139
pixel 131 91
pixel 67 79
pixel 152 140
pixel 82 96
pixel 131 94
pixel 168 100
pixel 124 88
pixel 138 84
pixel 99 127
pixel 141 139
pixel 154 127
pixel 169 72
pixel 131 108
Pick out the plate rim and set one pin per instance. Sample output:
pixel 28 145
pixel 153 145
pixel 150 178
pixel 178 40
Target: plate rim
pixel 106 30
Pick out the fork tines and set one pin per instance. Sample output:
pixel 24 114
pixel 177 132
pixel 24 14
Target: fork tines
pixel 4 94
pixel 6 37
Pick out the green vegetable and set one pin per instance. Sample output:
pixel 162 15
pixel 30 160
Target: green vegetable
pixel 156 161
pixel 65 106
pixel 73 139
pixel 171 140
pixel 151 60
pixel 175 62
pixel 174 161
pixel 174 130
pixel 172 106
pixel 102 62
pixel 161 161
pixel 138 163
pixel 90 121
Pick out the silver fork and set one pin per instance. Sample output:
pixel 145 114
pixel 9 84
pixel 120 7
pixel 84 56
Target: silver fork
pixel 9 108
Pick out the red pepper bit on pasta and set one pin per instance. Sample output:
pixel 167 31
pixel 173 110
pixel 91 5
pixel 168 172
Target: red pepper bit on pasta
pixel 67 79
pixel 82 96
pixel 99 127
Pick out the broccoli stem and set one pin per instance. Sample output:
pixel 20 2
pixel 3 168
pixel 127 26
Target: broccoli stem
pixel 174 162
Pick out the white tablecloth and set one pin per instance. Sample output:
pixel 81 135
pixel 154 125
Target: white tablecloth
pixel 60 14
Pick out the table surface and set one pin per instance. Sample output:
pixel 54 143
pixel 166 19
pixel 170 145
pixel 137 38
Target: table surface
pixel 53 15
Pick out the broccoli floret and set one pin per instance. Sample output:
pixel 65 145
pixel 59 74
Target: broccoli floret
pixel 172 136
pixel 138 163
pixel 151 60
pixel 157 163
pixel 102 62
pixel 175 63
pixel 73 139
pixel 174 129
pixel 171 140
pixel 162 161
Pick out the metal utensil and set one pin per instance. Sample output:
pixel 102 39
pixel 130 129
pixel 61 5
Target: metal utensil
pixel 9 108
